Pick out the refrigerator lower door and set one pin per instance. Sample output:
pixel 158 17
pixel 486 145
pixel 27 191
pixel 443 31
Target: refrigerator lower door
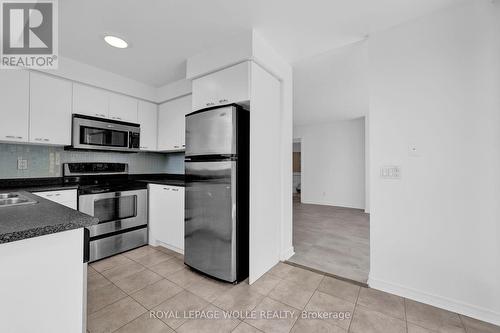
pixel 210 218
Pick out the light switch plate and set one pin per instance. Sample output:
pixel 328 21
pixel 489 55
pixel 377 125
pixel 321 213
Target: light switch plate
pixel 390 172
pixel 22 164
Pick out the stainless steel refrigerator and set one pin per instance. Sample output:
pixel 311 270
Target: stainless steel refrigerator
pixel 217 192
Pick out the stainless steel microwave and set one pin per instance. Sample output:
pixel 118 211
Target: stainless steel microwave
pixel 104 134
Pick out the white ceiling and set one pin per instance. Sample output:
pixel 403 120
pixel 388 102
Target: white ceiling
pixel 331 86
pixel 163 33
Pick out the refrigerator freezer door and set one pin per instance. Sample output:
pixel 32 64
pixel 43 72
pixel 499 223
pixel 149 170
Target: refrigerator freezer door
pixel 210 219
pixel 211 132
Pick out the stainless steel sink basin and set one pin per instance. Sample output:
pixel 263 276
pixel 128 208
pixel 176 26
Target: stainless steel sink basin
pixel 8 195
pixel 15 199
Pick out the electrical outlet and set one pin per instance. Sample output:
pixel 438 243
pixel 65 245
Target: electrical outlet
pixel 22 164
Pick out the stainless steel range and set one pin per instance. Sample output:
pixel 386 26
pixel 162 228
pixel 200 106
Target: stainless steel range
pixel 120 205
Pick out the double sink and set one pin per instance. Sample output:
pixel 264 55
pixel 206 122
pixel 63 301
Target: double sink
pixel 15 199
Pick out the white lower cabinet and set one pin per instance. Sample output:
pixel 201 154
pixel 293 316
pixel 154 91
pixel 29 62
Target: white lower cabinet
pixel 166 216
pixel 66 198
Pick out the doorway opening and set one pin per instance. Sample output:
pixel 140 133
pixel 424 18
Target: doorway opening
pixel 331 231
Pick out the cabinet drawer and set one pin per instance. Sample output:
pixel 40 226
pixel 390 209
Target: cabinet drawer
pixel 65 197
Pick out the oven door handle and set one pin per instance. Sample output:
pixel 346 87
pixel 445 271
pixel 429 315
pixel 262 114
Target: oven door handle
pixel 86 202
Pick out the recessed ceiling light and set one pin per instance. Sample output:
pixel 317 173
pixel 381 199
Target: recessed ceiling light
pixel 116 41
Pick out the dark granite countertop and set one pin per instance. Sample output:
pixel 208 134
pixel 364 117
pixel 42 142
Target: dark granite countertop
pixel 170 182
pixel 35 184
pixel 43 218
pixel 57 183
pixel 163 179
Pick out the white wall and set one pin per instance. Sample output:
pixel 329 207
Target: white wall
pixel 174 90
pixel 268 58
pixel 265 172
pixel 333 163
pixel 331 86
pixel 435 233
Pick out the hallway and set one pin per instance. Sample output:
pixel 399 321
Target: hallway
pixel 334 240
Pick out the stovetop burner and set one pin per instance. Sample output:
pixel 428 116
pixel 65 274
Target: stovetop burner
pixel 93 178
pixel 124 185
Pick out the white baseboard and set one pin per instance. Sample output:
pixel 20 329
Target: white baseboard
pixel 287 254
pixel 170 247
pixel 449 304
pixel 327 203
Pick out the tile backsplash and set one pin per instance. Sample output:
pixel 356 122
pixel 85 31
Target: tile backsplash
pixel 46 161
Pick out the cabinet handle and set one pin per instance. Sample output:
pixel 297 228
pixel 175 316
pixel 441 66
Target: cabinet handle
pixel 175 189
pixel 222 100
pixel 176 146
pixel 117 118
pixel 38 139
pixel 57 194
pixel 166 188
pixel 100 115
pixel 10 136
pixel 19 137
pixel 46 140
pixel 184 145
pixel 210 104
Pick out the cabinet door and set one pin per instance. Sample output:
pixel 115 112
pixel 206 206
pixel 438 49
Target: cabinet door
pixel 166 216
pixel 66 198
pixel 204 92
pixel 230 85
pixel 14 105
pixel 172 124
pixel 90 101
pixel 147 116
pixel 122 108
pixel 50 110
pixel 233 84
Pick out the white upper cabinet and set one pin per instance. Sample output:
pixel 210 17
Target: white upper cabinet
pixel 147 116
pixel 122 108
pixel 50 110
pixel 14 105
pixel 90 101
pixel 230 85
pixel 172 124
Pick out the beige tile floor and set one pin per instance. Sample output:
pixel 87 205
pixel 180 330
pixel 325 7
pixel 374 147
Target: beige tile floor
pixel 123 289
pixel 335 240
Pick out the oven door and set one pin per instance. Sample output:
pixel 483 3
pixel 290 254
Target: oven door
pixel 116 211
pixel 97 134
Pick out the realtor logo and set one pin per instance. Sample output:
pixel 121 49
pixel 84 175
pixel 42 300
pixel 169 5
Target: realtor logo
pixel 29 34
